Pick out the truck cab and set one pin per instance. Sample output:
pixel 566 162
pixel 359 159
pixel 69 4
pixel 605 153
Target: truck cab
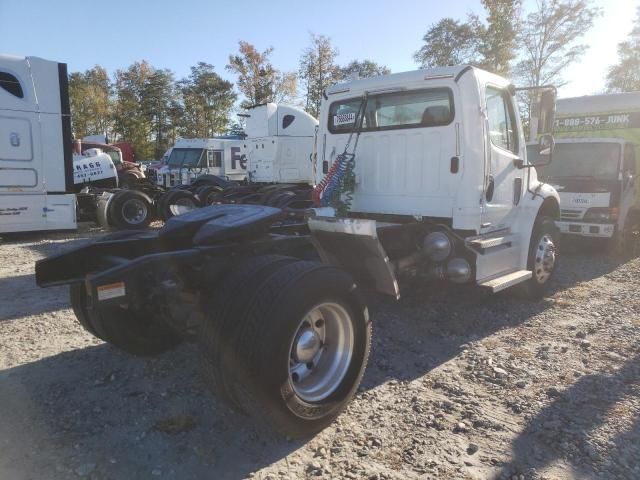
pixel 280 144
pixel 439 165
pixel 595 167
pixel 595 179
pixel 191 158
pixel 36 171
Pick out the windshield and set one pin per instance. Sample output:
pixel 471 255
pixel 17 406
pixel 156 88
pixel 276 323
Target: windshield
pixel 185 157
pixel 594 160
pixel 116 157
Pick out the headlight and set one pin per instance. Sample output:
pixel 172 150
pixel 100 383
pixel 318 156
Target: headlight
pixel 600 215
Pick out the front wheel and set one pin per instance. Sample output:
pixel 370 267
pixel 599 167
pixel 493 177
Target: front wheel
pixel 297 350
pixel 542 259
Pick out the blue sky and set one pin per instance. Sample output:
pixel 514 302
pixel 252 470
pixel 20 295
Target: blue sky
pixel 176 35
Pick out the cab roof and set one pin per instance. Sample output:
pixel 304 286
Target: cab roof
pixel 372 83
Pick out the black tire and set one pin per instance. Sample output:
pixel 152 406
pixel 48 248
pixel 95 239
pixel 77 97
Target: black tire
pixel 172 197
pixel 208 194
pixel 535 287
pixel 130 209
pixel 259 331
pixel 220 310
pixel 78 297
pixel 133 330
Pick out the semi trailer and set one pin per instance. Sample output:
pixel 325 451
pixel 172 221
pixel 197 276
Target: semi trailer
pixel 419 175
pixel 595 168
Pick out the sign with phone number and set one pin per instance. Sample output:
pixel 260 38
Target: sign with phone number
pixel 598 122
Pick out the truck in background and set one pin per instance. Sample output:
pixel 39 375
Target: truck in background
pixel 36 162
pixel 280 144
pixel 191 158
pixel 595 167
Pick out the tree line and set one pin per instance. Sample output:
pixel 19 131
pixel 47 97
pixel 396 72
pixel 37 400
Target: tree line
pixel 150 108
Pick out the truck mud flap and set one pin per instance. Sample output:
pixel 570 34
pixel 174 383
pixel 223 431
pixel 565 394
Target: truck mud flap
pixel 353 245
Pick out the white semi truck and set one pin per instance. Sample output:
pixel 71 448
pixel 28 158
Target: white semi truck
pixel 595 169
pixel 419 175
pixel 44 184
pixel 280 144
pixel 36 171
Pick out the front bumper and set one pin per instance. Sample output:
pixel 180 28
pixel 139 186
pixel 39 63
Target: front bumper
pixel 600 230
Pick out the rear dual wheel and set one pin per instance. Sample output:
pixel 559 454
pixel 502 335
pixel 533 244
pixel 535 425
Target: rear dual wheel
pixel 289 346
pixel 176 202
pixel 130 209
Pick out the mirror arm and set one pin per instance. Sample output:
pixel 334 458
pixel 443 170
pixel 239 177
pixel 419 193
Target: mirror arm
pixel 519 164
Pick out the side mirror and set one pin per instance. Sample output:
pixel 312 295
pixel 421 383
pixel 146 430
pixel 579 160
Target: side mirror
pixel 546 145
pixel 547 115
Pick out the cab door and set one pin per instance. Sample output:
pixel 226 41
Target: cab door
pixel 503 180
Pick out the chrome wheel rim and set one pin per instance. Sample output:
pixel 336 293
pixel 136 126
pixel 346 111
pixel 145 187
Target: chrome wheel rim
pixel 546 257
pixel 134 211
pixel 320 352
pixel 182 205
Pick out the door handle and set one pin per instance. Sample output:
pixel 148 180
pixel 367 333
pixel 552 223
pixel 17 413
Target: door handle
pixel 455 164
pixel 490 188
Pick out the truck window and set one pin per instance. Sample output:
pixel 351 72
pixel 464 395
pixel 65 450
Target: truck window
pixel 594 160
pixel 629 159
pixel 185 157
pixel 414 109
pixel 501 120
pixel 11 84
pixel 214 158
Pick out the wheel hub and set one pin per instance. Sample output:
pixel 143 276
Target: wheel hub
pixel 134 211
pixel 307 346
pixel 321 352
pixel 545 258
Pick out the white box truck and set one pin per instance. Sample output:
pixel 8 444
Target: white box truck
pixel 595 168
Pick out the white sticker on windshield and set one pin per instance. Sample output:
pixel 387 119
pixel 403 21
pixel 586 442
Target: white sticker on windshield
pixel 344 119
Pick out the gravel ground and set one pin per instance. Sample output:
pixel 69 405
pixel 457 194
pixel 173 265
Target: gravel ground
pixel 460 385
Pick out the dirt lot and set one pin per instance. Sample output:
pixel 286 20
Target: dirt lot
pixel 460 385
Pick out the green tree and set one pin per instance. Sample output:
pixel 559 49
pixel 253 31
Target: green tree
pixel 258 80
pixel 451 42
pixel 158 101
pixel 132 122
pixel 625 75
pixel 207 101
pixel 363 69
pixel 90 99
pixel 498 39
pixel 318 71
pixel 550 39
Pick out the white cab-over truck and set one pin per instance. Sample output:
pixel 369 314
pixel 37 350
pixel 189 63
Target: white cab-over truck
pixel 595 168
pixel 420 174
pixel 191 158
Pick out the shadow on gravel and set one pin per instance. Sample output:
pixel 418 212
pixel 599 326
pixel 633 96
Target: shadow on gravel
pixel 567 428
pixel 22 298
pixel 100 411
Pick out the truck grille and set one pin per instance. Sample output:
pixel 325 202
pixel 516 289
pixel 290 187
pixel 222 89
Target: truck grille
pixel 571 214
